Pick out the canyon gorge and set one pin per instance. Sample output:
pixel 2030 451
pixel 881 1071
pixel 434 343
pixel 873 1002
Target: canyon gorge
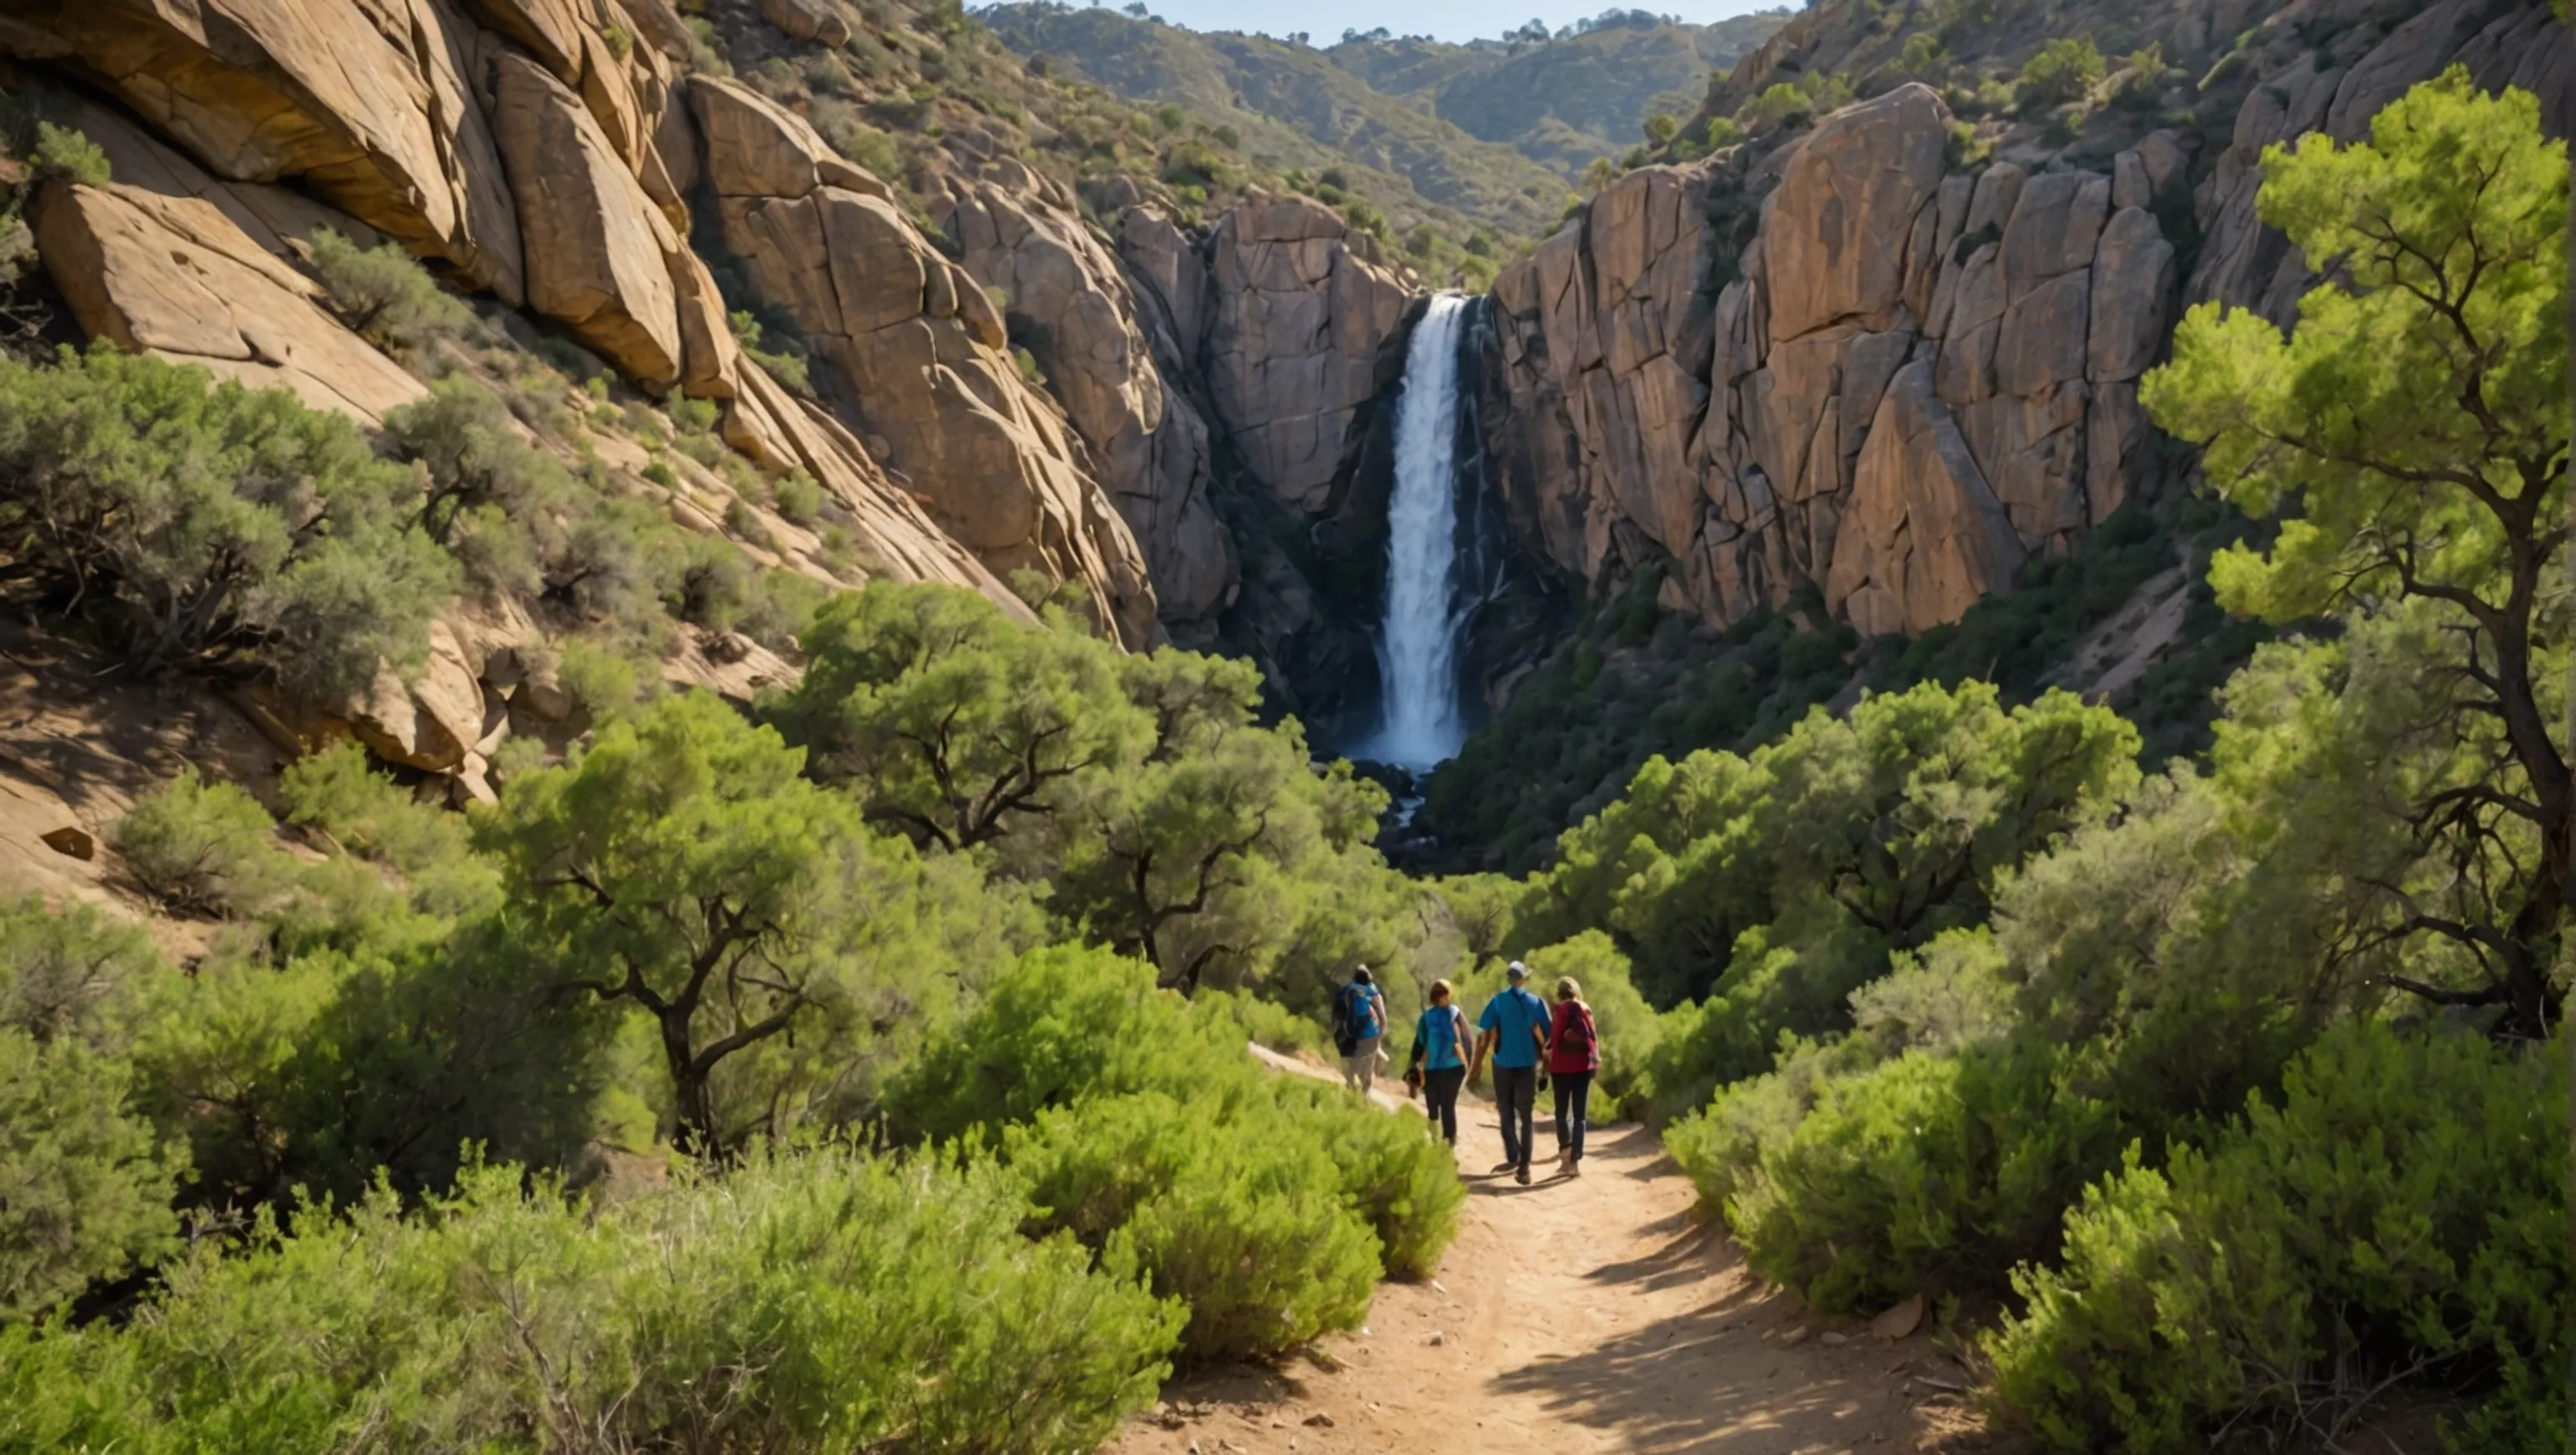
pixel 1862 367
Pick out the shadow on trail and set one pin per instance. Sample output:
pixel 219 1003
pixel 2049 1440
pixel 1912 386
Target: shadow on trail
pixel 1698 1382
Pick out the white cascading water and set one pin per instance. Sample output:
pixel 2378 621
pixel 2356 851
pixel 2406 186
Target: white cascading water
pixel 1418 651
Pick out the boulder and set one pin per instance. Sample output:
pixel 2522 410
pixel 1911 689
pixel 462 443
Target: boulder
pixel 1302 333
pixel 819 21
pixel 923 367
pixel 430 722
pixel 2132 283
pixel 1924 537
pixel 599 252
pixel 758 148
pixel 177 277
pixel 1065 296
pixel 1845 208
pixel 372 115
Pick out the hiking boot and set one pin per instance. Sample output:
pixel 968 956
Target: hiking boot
pixel 1505 1165
pixel 1522 1177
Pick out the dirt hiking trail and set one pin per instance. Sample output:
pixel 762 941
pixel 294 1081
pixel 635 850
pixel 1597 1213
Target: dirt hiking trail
pixel 1573 1316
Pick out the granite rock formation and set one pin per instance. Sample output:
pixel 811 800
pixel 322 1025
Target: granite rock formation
pixel 1907 382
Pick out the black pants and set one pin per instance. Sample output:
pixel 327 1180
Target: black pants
pixel 1516 1098
pixel 1573 1100
pixel 1440 1099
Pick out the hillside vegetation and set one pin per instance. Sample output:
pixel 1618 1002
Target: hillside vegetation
pixel 1563 99
pixel 1294 109
pixel 816 1020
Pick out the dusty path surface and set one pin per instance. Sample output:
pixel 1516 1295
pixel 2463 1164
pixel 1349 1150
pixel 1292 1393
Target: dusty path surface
pixel 1578 1315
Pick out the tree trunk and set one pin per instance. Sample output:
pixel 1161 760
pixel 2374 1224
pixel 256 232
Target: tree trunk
pixel 693 1098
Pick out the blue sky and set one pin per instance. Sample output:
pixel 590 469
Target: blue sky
pixel 1325 20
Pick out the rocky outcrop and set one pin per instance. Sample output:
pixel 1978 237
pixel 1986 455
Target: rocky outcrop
pixel 1302 329
pixel 922 361
pixel 599 256
pixel 2335 89
pixel 1066 303
pixel 368 105
pixel 1905 384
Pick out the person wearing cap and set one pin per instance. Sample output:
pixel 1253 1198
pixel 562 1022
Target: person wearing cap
pixel 1359 1024
pixel 1513 1035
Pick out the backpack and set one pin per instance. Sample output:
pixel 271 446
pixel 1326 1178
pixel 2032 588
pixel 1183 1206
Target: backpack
pixel 1574 1031
pixel 1350 1023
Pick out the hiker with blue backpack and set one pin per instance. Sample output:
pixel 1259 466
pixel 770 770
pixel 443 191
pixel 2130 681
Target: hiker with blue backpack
pixel 1359 1026
pixel 1440 1060
pixel 1514 1036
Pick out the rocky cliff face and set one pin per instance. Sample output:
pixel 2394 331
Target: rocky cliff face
pixel 1845 361
pixel 1908 381
pixel 534 151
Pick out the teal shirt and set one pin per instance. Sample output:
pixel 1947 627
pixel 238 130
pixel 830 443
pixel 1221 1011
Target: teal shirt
pixel 1513 1016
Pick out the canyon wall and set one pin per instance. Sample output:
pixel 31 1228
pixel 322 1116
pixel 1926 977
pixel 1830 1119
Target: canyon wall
pixel 1848 363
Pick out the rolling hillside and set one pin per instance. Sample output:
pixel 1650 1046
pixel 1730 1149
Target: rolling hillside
pixel 1566 99
pixel 1294 108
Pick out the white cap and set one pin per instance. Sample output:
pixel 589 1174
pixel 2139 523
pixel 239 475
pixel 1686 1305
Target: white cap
pixel 1518 971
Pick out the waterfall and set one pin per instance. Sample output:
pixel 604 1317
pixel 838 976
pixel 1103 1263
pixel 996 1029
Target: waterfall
pixel 1418 650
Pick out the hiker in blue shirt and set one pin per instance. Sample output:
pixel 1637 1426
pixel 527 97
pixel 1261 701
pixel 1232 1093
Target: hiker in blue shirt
pixel 1359 1024
pixel 1440 1059
pixel 1514 1026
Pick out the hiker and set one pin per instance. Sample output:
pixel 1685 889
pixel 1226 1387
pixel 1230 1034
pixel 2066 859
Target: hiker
pixel 1514 1037
pixel 1440 1060
pixel 1573 1059
pixel 1359 1023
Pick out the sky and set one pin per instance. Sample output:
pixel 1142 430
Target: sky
pixel 1459 20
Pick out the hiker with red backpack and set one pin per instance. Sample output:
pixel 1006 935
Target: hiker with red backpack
pixel 1573 1059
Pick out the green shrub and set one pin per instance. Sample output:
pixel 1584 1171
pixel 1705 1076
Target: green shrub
pixel 1080 1027
pixel 1243 1222
pixel 2062 71
pixel 1403 1184
pixel 1925 1172
pixel 822 1302
pixel 798 498
pixel 492 498
pixel 1064 1024
pixel 2402 1206
pixel 85 1187
pixel 69 974
pixel 205 847
pixel 204 525
pixel 385 295
pixel 64 154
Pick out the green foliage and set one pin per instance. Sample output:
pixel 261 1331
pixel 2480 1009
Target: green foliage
pixel 682 868
pixel 2063 70
pixel 204 847
pixel 189 523
pixel 1899 819
pixel 2433 511
pixel 85 1185
pixel 65 155
pixel 1077 1029
pixel 1138 787
pixel 1243 1223
pixel 69 974
pixel 492 500
pixel 383 294
pixel 1923 1172
pixel 2401 1204
pixel 1403 1185
pixel 816 1302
